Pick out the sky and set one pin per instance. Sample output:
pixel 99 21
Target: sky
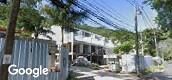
pixel 121 10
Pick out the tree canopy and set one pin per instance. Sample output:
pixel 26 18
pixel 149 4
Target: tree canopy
pixel 164 9
pixel 115 35
pixel 63 13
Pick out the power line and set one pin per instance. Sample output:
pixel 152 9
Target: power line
pixel 97 8
pixel 131 3
pixel 99 17
pixel 148 18
pixel 112 10
pixel 145 20
pixel 95 21
pixel 144 13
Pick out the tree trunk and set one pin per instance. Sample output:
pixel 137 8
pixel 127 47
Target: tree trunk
pixel 10 36
pixel 36 35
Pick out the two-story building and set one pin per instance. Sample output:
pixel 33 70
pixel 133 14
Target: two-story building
pixel 83 43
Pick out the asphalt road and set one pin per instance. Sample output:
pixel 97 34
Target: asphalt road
pixel 166 75
pixel 89 74
pixel 104 75
pixel 168 71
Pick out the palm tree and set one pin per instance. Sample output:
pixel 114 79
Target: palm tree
pixel 64 14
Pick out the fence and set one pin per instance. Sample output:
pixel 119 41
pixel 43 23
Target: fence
pixel 1 49
pixel 29 53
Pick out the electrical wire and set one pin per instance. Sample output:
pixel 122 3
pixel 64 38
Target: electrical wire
pixel 99 17
pixel 99 9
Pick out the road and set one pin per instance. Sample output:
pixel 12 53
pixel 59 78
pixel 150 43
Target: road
pixel 88 74
pixel 168 69
pixel 166 75
pixel 168 72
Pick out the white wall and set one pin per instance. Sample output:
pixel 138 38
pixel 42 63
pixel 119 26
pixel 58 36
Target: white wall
pixel 68 37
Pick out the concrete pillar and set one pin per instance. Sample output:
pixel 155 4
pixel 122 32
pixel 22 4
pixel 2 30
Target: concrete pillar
pixel 81 48
pixel 97 50
pixel 89 49
pixel 72 44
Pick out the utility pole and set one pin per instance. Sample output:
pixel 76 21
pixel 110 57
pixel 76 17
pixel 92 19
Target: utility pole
pixel 155 40
pixel 137 41
pixel 142 43
pixel 10 36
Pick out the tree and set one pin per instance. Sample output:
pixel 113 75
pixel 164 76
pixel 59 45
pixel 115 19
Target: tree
pixel 30 19
pixel 149 41
pixel 4 12
pixel 64 14
pixel 124 48
pixel 164 9
pixel 10 35
pixel 8 47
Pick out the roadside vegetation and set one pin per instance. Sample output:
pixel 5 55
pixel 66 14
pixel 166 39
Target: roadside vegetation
pixel 153 69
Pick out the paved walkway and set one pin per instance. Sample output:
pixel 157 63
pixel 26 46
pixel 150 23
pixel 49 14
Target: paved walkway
pixel 89 74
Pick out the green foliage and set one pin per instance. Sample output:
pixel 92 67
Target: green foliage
pixel 165 49
pixel 4 12
pixel 29 19
pixel 153 69
pixel 124 48
pixel 164 9
pixel 164 17
pixel 115 35
pixel 149 40
pixel 64 14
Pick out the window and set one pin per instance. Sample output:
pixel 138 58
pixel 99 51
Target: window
pixel 76 33
pixel 106 40
pixel 87 34
pixel 97 37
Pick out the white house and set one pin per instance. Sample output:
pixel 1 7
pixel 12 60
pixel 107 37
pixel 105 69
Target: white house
pixel 83 43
